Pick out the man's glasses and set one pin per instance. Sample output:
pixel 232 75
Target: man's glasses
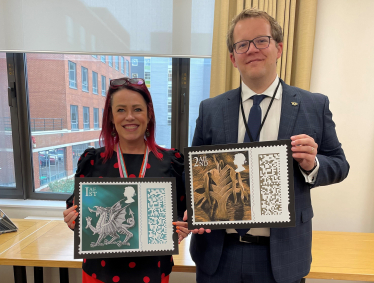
pixel 260 42
pixel 126 81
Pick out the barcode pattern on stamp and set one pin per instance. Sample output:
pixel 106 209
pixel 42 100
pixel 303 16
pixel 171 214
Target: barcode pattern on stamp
pixel 270 185
pixel 156 216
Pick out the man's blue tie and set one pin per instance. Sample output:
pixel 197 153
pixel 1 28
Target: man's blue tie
pixel 254 124
pixel 254 118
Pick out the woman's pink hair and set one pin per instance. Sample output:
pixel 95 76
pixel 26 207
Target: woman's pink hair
pixel 106 138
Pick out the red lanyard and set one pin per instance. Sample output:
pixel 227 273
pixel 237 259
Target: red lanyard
pixel 122 166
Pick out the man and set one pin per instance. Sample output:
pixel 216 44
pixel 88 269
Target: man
pixel 277 254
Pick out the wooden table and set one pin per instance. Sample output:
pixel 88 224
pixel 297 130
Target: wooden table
pixel 342 256
pixel 43 243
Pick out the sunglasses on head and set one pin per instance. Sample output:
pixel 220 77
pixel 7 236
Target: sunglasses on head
pixel 126 81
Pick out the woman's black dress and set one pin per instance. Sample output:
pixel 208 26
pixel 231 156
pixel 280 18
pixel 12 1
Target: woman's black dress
pixel 132 269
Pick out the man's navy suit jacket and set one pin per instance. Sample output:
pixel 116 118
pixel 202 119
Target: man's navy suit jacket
pixel 290 248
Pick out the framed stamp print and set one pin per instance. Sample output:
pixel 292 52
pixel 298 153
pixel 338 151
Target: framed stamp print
pixel 240 185
pixel 125 217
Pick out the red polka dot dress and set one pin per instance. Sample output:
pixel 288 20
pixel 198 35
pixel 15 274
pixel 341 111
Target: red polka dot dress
pixel 152 269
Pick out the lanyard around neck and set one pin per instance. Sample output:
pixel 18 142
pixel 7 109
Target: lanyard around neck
pixel 267 111
pixel 122 165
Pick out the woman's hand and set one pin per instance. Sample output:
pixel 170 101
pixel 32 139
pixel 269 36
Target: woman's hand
pixel 182 229
pixel 70 215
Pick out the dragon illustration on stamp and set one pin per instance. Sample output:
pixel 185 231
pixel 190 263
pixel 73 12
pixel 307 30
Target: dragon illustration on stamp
pixel 114 221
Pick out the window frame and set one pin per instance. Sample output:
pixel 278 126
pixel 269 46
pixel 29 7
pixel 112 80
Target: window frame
pixel 71 63
pixel 21 131
pixel 95 89
pixel 127 67
pixel 84 70
pixel 96 117
pixel 72 106
pixel 86 115
pixel 103 85
pixel 122 64
pixel 116 63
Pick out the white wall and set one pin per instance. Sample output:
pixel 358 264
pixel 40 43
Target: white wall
pixel 343 69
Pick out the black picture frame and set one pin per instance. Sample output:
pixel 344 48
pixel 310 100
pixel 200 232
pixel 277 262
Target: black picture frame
pixel 204 217
pixel 102 187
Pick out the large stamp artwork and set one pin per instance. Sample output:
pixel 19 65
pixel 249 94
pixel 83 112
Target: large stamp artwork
pixel 124 218
pixel 240 185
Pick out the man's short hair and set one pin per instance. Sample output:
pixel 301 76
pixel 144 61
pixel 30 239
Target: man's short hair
pixel 276 30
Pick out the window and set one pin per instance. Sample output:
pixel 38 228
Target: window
pixel 102 58
pixel 169 111
pixel 94 82
pixel 199 90
pixel 95 56
pixel 54 160
pixel 7 156
pixel 51 169
pixel 147 79
pixel 74 117
pixel 147 71
pixel 84 79
pixel 110 61
pixel 97 144
pixel 122 65
pixel 96 118
pixel 116 62
pixel 72 75
pixel 103 85
pixel 86 118
pixel 127 68
pixel 77 152
pixel 134 62
pixel 170 77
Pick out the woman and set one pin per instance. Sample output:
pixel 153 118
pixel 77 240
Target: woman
pixel 128 134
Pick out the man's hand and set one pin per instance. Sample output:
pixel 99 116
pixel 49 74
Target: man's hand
pixel 196 231
pixel 182 228
pixel 304 150
pixel 183 231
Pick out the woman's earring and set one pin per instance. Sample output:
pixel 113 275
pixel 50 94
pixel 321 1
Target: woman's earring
pixel 147 133
pixel 114 132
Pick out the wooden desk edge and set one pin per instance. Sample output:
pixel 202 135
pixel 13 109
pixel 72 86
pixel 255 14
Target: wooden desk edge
pixel 176 268
pixel 74 264
pixel 41 263
pixel 340 276
pixel 184 268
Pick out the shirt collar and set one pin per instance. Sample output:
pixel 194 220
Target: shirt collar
pixel 247 92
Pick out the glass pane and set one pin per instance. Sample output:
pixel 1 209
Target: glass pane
pixel 155 71
pixel 199 90
pixel 7 176
pixel 57 116
pixel 62 129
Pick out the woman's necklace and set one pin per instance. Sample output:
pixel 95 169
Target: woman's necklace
pixel 122 167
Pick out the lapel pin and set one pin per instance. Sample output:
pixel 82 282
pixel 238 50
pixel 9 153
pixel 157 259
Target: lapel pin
pixel 294 103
